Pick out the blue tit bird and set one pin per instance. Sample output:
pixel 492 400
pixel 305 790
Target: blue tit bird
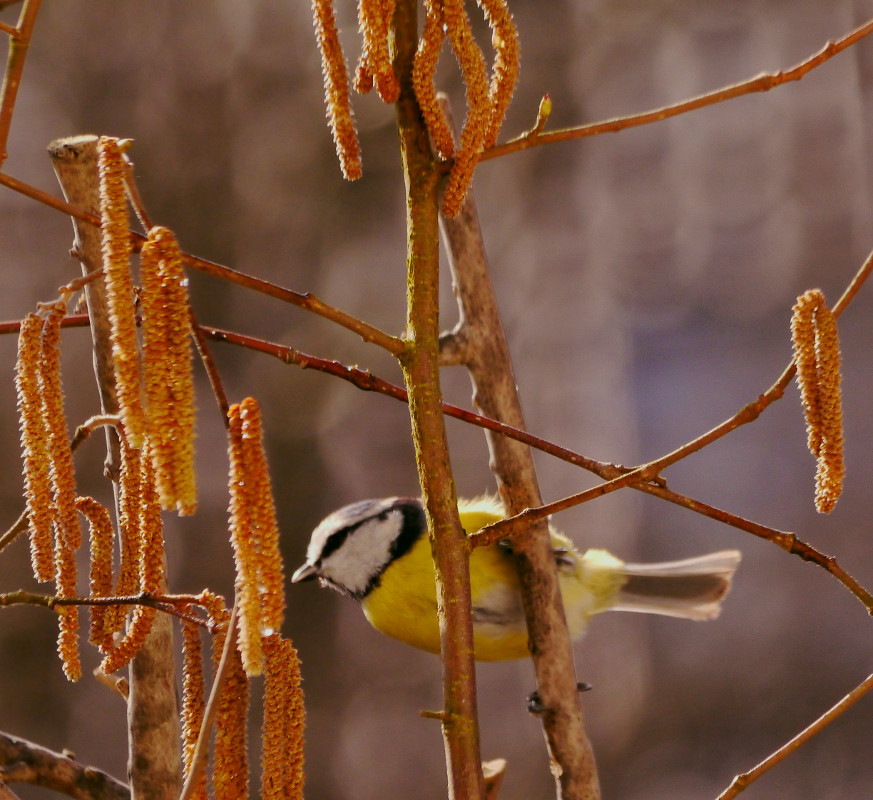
pixel 378 552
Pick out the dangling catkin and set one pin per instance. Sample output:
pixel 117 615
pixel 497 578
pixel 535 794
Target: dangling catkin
pixel 271 575
pixel 245 549
pixel 336 90
pixel 193 700
pixel 284 720
pixel 34 446
pixel 167 367
pixel 119 286
pixel 817 356
pixel 100 584
pixel 230 776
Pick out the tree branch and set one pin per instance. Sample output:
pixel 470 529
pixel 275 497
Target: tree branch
pixel 741 782
pixel 616 477
pixel 421 373
pixel 18 45
pixel 22 761
pixel 162 602
pixel 154 762
pixel 306 301
pixel 74 160
pixel 760 83
pixel 487 358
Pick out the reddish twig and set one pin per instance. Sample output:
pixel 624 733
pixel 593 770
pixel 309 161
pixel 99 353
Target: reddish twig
pixel 165 602
pixel 18 44
pixel 307 301
pixel 211 371
pixel 741 782
pixel 47 199
pixel 650 471
pixel 368 382
pixel 201 749
pixel 789 542
pixel 760 83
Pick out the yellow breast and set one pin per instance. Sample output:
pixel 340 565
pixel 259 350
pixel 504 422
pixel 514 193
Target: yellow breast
pixel 404 605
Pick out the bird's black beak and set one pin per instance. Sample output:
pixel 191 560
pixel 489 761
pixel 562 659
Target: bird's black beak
pixel 305 573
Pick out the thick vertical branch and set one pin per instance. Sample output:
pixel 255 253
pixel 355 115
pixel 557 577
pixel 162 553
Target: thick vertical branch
pixel 484 351
pixel 421 372
pixel 74 160
pixel 154 761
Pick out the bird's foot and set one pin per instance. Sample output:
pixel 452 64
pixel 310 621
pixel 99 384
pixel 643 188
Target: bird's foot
pixel 535 705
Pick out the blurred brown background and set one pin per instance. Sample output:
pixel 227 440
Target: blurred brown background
pixel 646 280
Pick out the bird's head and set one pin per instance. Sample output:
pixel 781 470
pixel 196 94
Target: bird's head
pixel 351 548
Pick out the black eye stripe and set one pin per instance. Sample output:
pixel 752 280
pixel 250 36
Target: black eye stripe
pixel 335 541
pixel 338 537
pixel 414 526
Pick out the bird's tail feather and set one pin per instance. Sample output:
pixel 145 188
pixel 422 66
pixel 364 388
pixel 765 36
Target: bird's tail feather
pixel 691 589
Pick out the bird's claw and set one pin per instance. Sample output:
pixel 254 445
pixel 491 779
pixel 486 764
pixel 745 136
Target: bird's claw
pixel 535 705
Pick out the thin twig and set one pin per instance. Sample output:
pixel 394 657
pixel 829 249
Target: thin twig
pixel 789 542
pixel 18 44
pixel 366 381
pixel 133 194
pixel 760 83
pixel 70 321
pixel 14 531
pixel 652 469
pixel 82 321
pixel 164 602
pixel 741 782
pixel 307 301
pixel 48 199
pixel 211 371
pixel 201 749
